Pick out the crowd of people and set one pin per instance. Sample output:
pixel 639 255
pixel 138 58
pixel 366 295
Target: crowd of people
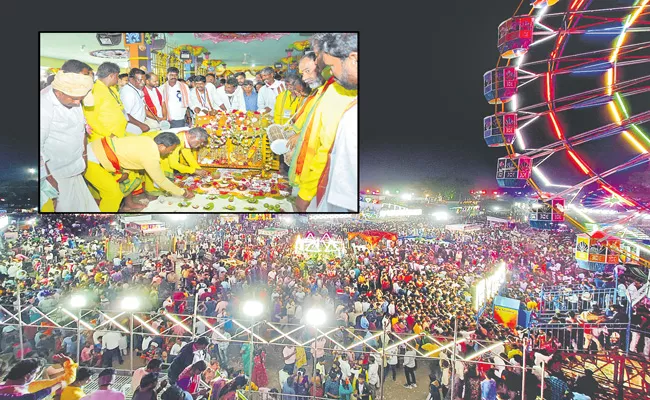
pixel 416 294
pixel 104 145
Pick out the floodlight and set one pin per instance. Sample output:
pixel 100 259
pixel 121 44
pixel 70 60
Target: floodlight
pixel 130 303
pixel 315 317
pixel 253 308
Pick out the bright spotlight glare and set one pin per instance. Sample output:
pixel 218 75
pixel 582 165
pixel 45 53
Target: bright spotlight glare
pixel 179 217
pixel 387 192
pixel 315 317
pixel 496 208
pixel 77 301
pixel 31 221
pixel 130 303
pixel 253 308
pixel 440 216
pixel 407 196
pixel 32 171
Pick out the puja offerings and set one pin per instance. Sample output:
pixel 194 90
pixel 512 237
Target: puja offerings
pixel 229 190
pixel 237 139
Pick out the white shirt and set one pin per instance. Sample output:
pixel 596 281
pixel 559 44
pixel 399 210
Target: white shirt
pixel 282 376
pixel 62 137
pixel 133 100
pixel 202 100
pixel 176 348
pixel 345 368
pixel 111 340
pixel 153 94
pixel 285 353
pixel 268 93
pixel 392 355
pixel 342 185
pixel 105 395
pixel 233 101
pixel 373 374
pixel 409 358
pixel 175 106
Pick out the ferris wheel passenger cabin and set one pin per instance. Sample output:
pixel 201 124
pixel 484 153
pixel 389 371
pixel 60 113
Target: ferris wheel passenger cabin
pixel 495 125
pixel 500 84
pixel 515 36
pixel 513 171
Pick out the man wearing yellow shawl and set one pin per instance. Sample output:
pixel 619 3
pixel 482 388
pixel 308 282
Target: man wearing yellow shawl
pixel 106 118
pixel 287 102
pixel 317 137
pixel 20 379
pixel 181 159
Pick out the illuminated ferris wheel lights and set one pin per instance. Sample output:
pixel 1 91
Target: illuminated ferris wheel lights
pixel 634 142
pixel 578 162
pixel 636 14
pixel 551 36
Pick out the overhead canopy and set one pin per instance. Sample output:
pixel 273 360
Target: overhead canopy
pixel 373 237
pixel 272 232
pixel 263 50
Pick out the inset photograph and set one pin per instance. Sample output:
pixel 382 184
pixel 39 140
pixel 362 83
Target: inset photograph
pixel 199 122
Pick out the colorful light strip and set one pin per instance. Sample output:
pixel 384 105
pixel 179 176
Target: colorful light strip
pixel 578 162
pixel 617 106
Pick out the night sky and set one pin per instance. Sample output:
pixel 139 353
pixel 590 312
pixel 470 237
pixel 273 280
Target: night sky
pixel 422 103
pixel 432 120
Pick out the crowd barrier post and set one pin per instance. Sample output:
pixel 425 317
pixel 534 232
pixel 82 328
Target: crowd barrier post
pixel 543 378
pixel 381 370
pixel 629 323
pixel 20 322
pixel 523 371
pixel 453 358
pixel 78 335
pixel 131 343
pixel 252 355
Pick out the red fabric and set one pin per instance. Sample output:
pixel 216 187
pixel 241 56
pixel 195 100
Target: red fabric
pixel 149 102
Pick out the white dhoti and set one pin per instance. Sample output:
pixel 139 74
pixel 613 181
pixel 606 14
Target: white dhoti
pixel 74 196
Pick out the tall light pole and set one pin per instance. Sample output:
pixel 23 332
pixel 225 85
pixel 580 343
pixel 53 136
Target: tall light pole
pixel 78 301
pixel 130 304
pixel 252 309
pixel 315 317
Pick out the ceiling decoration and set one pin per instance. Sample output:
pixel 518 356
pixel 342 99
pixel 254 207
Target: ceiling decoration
pixel 110 53
pixel 259 53
pixel 217 37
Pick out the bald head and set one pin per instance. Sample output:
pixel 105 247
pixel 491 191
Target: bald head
pixel 151 80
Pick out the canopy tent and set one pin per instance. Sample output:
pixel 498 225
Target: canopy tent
pixel 273 232
pixel 463 227
pixel 373 237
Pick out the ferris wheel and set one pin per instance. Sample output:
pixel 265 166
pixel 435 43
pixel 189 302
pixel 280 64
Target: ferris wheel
pixel 571 95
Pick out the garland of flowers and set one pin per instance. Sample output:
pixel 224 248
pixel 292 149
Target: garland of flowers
pixel 211 63
pixel 194 50
pixel 300 45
